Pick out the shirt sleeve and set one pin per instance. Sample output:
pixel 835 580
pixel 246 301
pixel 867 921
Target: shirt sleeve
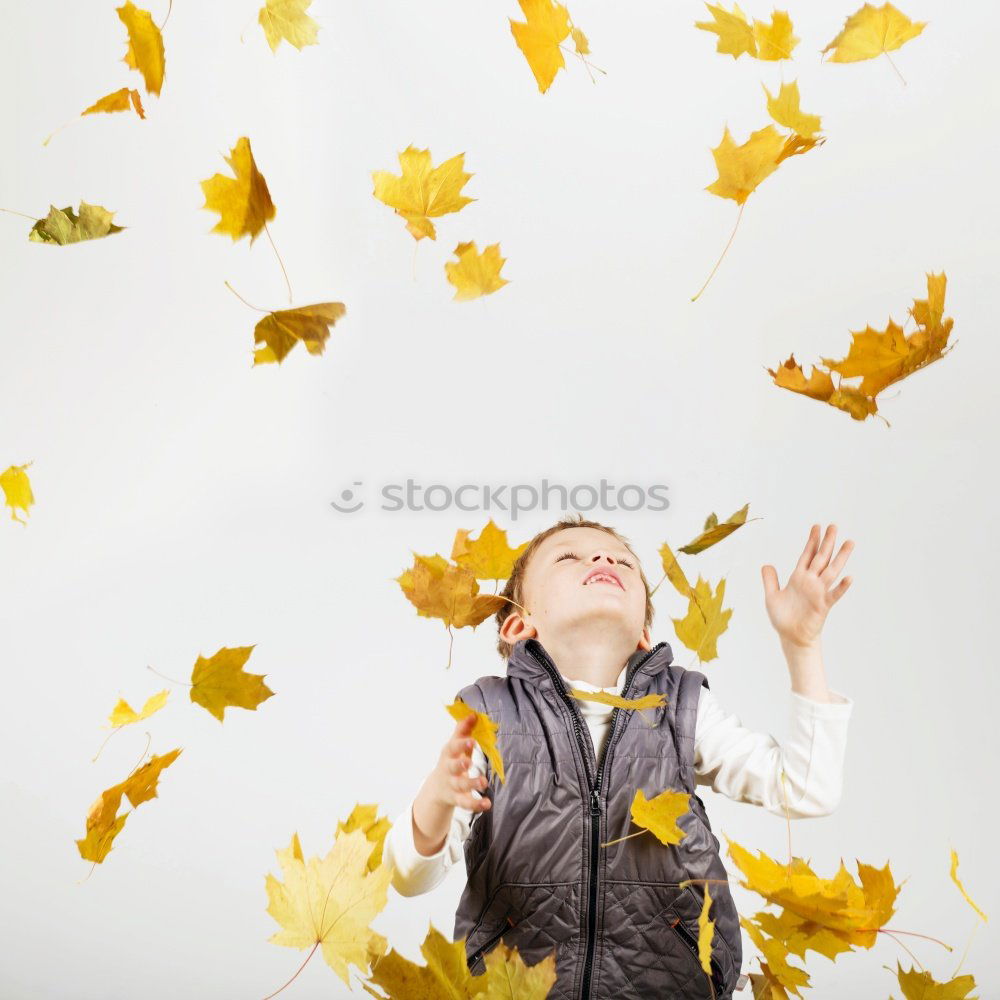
pixel 747 766
pixel 415 873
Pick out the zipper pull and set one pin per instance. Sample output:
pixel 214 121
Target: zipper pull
pixel 595 803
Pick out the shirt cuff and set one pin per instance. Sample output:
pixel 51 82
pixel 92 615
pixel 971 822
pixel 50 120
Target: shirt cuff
pixel 839 707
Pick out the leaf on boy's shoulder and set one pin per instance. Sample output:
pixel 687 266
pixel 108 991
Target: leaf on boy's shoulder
pixel 484 732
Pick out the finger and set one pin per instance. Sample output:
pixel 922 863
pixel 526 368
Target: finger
pixel 833 570
pixel 822 556
pixel 810 550
pixel 458 746
pixel 770 575
pixel 472 803
pixel 464 727
pixel 459 765
pixel 840 590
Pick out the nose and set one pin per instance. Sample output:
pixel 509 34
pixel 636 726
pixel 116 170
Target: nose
pixel 598 556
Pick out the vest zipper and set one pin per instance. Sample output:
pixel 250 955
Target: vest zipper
pixel 486 945
pixel 692 941
pixel 595 796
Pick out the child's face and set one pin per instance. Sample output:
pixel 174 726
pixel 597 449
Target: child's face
pixel 559 598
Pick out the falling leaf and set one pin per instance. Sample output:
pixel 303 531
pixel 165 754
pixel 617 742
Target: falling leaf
pixel 546 24
pixel 475 274
pixel 763 985
pixel 484 732
pixel 288 20
pixel 330 902
pixel 145 45
pixel 580 42
pixel 365 817
pixel 488 557
pixel 922 986
pixel 16 489
pixel 103 821
pixel 673 572
pixel 705 620
pixel 628 704
pixel 242 201
pixel 508 978
pixel 282 329
pixel 220 682
pixel 870 31
pixel 123 714
pixel 852 912
pixel 769 42
pixel 421 192
pixel 446 975
pixel 714 532
pixel 961 888
pixel 742 168
pixel 62 226
pixel 706 932
pixel 659 814
pixel 879 358
pixel 785 110
pixel 438 589
pixel 119 100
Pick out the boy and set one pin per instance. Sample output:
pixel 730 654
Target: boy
pixel 620 924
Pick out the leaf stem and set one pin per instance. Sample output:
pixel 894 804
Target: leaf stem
pixel 723 254
pixel 280 261
pixel 300 968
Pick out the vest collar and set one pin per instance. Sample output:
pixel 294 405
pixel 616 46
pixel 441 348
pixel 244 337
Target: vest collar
pixel 528 659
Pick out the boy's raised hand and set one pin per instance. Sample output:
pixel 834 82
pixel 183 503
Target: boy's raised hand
pixel 799 610
pixel 454 784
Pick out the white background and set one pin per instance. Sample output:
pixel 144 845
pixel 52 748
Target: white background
pixel 183 497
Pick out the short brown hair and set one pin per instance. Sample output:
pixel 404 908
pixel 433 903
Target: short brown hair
pixel 514 588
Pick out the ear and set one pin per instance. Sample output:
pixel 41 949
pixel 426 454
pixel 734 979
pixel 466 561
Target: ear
pixel 645 640
pixel 515 627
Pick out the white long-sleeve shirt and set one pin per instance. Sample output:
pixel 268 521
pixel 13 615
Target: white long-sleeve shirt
pixel 735 761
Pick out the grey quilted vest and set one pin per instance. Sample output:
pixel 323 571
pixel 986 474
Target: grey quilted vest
pixel 620 924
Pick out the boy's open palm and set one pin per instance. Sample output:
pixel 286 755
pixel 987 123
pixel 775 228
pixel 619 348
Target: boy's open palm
pixel 799 610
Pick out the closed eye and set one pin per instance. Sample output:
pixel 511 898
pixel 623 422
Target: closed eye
pixel 572 555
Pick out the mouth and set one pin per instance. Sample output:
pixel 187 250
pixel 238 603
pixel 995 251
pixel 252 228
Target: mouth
pixel 603 576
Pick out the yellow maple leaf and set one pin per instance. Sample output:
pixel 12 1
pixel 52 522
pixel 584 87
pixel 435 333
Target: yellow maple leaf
pixel 488 557
pixel 673 572
pixel 629 704
pixel 484 732
pixel 219 682
pixel 16 489
pixel 781 977
pixel 365 817
pixel 546 24
pixel 775 41
pixel 330 902
pixel 420 192
pixel 763 985
pixel 279 331
pixel 785 110
pixel 658 816
pixel 879 357
pixel 446 974
pixel 475 274
pixel 508 978
pixel 851 911
pixel 64 226
pixel 242 201
pixel 123 714
pixel 923 986
pixel 103 821
pixel 145 45
pixel 119 100
pixel 715 532
pixel 961 888
pixel 872 30
pixel 736 36
pixel 288 20
pixel 706 932
pixel 705 620
pixel 742 168
pixel 438 589
pixel 580 42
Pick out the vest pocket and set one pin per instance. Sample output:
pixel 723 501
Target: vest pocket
pixel 691 940
pixel 479 954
